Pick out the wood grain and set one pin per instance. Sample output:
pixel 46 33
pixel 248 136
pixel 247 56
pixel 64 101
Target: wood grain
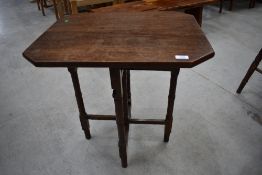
pixel 126 40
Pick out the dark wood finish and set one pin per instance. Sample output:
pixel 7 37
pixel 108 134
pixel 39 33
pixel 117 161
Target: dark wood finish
pixel 128 40
pixel 129 89
pixel 42 7
pixel 259 70
pixel 147 121
pixel 170 106
pixel 56 4
pixel 116 83
pixel 38 4
pixel 42 4
pixel 80 103
pixel 101 117
pixel 122 42
pixel 253 67
pixel 127 110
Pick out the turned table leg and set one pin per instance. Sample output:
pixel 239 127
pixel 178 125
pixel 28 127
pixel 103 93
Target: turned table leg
pixel 80 103
pixel 116 83
pixel 170 106
pixel 126 104
pixel 128 87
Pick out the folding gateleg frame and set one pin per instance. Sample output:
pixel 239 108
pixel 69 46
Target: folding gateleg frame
pixel 120 83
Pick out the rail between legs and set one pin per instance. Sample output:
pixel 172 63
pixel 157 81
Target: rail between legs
pixel 120 82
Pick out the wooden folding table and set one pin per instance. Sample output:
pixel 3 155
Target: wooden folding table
pixel 163 41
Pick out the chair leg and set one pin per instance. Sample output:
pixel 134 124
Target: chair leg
pixel 116 83
pixel 56 11
pixel 80 103
pixel 250 71
pixel 231 5
pixel 252 3
pixel 221 6
pixel 38 4
pixel 170 106
pixel 45 3
pixel 42 7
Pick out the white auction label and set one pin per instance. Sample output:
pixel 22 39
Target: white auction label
pixel 182 57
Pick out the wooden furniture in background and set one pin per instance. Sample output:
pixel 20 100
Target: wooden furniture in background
pixel 130 41
pixel 80 3
pixel 41 4
pixel 62 8
pixel 193 7
pixel 253 67
pixel 231 4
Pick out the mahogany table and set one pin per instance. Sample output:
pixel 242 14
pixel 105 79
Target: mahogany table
pixel 121 42
pixel 193 7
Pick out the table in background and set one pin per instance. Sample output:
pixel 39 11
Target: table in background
pixel 193 7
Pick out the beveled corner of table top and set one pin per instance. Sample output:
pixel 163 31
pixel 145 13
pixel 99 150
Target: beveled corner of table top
pixel 137 40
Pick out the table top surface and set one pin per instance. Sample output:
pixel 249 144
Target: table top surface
pixel 136 40
pixel 145 5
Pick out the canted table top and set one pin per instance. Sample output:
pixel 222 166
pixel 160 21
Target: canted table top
pixel 145 5
pixel 124 40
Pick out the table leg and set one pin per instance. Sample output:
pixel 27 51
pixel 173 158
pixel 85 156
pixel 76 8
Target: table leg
pixel 42 7
pixel 252 3
pixel 231 5
pixel 197 13
pixel 38 4
pixel 170 106
pixel 221 6
pixel 116 83
pixel 80 103
pixel 129 88
pixel 127 107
